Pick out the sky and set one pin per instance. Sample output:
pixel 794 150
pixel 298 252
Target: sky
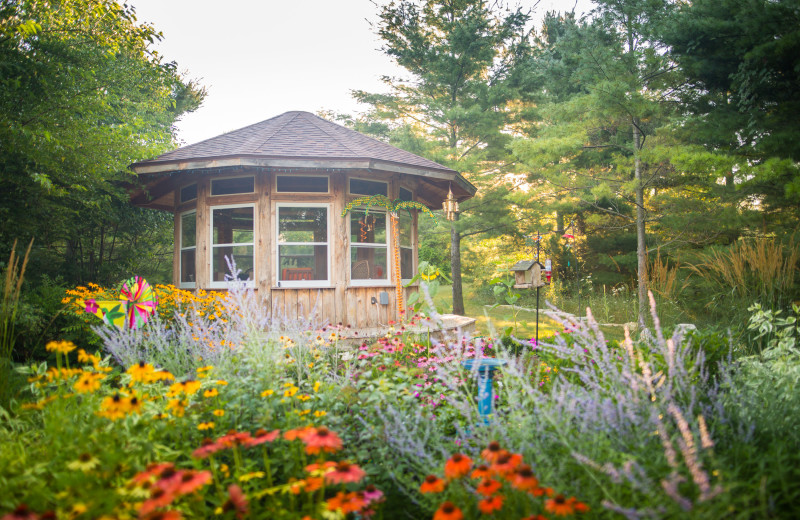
pixel 261 58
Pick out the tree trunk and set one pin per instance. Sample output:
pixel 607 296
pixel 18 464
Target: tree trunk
pixel 455 269
pixel 641 247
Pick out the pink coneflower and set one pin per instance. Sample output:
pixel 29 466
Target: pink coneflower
pixel 191 481
pixel 152 470
pixel 234 438
pixel 237 501
pixel 207 448
pixel 263 436
pixel 321 439
pixel 344 472
pixel 158 498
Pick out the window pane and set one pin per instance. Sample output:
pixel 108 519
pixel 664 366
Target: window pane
pixel 242 255
pixel 363 187
pixel 233 225
pixel 188 229
pixel 187 266
pixel 405 227
pixel 302 224
pixel 368 263
pixel 231 186
pixel 406 263
pixel 303 263
pixel 367 229
pixel 405 195
pixel 291 183
pixel 189 193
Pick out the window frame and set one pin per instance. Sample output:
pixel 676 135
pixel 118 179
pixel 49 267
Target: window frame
pixel 181 249
pixel 371 282
pixel 180 193
pixel 310 193
pixel 414 217
pixel 211 186
pixel 328 283
pixel 213 284
pixel 349 184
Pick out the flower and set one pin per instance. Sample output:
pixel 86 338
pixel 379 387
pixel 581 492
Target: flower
pixel 321 439
pixel 177 406
pixel 140 372
pixel 184 482
pixel 163 515
pixel 492 451
pixel 267 393
pixel 262 436
pixel 237 501
pixel 320 413
pixel 559 506
pixel 481 471
pixel 505 463
pixel 457 466
pixel 62 347
pixel 432 484
pixel 207 448
pixel 205 426
pixel 113 407
pixel 344 472
pixel 219 412
pixel 88 382
pixel 524 479
pixel 448 511
pixel 158 498
pixel 213 392
pixel 346 502
pixel 86 462
pixel 491 504
pixel 488 487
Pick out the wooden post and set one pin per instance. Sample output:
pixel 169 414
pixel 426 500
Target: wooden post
pixel 176 246
pixel 340 249
pixel 263 271
pixel 202 253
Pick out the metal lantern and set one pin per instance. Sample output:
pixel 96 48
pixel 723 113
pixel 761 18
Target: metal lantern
pixel 450 206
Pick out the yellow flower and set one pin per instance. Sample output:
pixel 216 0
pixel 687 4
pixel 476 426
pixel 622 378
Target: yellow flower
pixel 134 404
pixel 316 386
pixel 205 369
pixel 113 407
pixel 290 392
pixel 211 393
pixel 140 372
pixel 89 382
pixel 190 387
pixel 267 393
pixel 250 476
pixel 304 397
pixel 221 382
pixel 218 412
pixel 78 509
pixel 85 463
pixel 63 347
pixel 303 412
pixel 225 470
pixel 177 406
pixel 320 413
pixel 205 426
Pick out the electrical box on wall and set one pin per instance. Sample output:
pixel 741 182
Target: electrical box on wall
pixel 383 296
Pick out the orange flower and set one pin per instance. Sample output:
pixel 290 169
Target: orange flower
pixel 432 484
pixel 488 487
pixel 537 491
pixel 344 472
pixel 346 502
pixel 321 439
pixel 263 436
pixel 535 517
pixel 481 471
pixel 559 506
pixel 296 433
pixel 580 507
pixel 492 451
pixel 313 484
pixel 158 498
pixel 448 511
pixel 163 515
pixel 523 478
pixel 506 463
pixel 237 501
pixel 457 466
pixel 491 504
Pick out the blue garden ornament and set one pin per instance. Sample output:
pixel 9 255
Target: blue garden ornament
pixel 485 369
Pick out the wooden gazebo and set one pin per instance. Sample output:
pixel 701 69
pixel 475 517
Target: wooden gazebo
pixel 271 196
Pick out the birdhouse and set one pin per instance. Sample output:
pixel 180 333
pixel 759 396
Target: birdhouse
pixel 527 274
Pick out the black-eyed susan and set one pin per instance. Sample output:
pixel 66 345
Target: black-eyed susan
pixel 85 462
pixel 212 392
pixel 205 426
pixel 219 412
pixel 320 413
pixel 113 407
pixel 267 393
pixel 140 372
pixel 61 347
pixel 177 407
pixel 88 382
pixel 134 404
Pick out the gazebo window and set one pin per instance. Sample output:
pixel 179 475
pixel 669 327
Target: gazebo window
pixel 188 247
pixel 302 244
pixel 369 242
pixel 406 226
pixel 188 193
pixel 232 236
pixel 301 184
pixel 365 187
pixel 233 185
pixel 405 194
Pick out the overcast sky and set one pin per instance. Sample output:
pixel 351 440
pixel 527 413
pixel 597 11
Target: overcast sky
pixel 259 59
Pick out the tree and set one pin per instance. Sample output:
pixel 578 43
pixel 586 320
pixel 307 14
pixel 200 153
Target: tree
pixel 462 58
pixel 82 96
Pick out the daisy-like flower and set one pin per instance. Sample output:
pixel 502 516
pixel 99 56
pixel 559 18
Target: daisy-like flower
pixel 62 347
pixel 113 407
pixel 320 413
pixel 267 393
pixel 153 470
pixel 134 404
pixel 289 392
pixel 219 412
pixel 140 372
pixel 234 438
pixel 163 515
pixel 205 426
pixel 344 472
pixel 457 466
pixel 22 513
pixel 237 501
pixel 559 506
pixel 184 482
pixel 491 504
pixel 159 498
pixel 177 407
pixel 432 484
pixel 191 387
pixel 346 502
pixel 221 382
pixel 207 448
pixel 481 471
pixel 492 451
pixel 86 462
pixel 523 478
pixel 313 484
pixel 297 433
pixel 506 463
pixel 212 392
pixel 88 382
pixel 262 436
pixel 448 511
pixel 321 439
pixel 488 487
pixel 304 397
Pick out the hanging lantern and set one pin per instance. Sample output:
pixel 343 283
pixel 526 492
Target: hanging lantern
pixel 450 206
pixel 368 222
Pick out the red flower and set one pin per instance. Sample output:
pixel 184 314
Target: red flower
pixel 321 439
pixel 296 433
pixel 432 484
pixel 21 513
pixel 237 501
pixel 263 436
pixel 344 472
pixel 448 511
pixel 506 463
pixel 207 448
pixel 523 478
pixel 159 497
pixel 491 504
pixel 492 451
pixel 481 471
pixel 152 470
pixel 488 487
pixel 191 481
pixel 234 438
pixel 457 466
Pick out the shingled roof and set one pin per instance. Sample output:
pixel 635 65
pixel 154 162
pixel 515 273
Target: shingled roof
pixel 292 135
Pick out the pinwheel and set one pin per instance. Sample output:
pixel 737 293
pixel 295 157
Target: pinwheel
pixel 137 302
